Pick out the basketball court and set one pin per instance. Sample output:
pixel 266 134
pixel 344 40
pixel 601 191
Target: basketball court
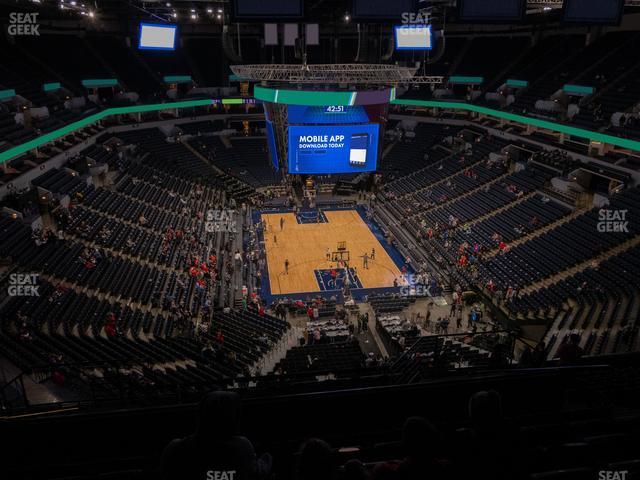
pixel 305 246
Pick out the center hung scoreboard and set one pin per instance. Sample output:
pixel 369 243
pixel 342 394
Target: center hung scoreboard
pixel 325 132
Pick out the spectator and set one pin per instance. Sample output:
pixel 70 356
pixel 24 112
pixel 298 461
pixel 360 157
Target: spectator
pixel 421 448
pixel 316 461
pixel 215 446
pixel 354 470
pixel 570 351
pixel 539 355
pixel 486 448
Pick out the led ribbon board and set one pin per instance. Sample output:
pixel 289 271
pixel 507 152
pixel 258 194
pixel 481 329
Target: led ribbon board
pixel 557 127
pixel 323 98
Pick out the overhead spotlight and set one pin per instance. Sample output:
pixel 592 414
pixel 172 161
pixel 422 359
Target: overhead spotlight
pixel 209 10
pixel 73 3
pixel 218 16
pixel 347 17
pixel 219 10
pixel 193 16
pixel 193 10
pixel 168 4
pixel 546 9
pixel 91 14
pixel 174 14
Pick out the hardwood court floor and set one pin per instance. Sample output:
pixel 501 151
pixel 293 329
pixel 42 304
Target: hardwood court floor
pixel 305 245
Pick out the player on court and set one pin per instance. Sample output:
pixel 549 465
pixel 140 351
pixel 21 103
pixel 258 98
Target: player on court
pixel 286 266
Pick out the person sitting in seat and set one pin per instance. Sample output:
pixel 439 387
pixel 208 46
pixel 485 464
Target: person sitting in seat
pixel 215 446
pixel 316 461
pixel 422 459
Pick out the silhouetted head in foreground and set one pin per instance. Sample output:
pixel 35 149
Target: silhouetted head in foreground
pixel 316 461
pixel 485 409
pixel 218 417
pixel 419 438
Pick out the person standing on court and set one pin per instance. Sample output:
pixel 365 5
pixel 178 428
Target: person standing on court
pixel 365 260
pixel 286 266
pixel 281 223
pixel 373 254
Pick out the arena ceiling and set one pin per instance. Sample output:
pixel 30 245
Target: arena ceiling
pixel 325 11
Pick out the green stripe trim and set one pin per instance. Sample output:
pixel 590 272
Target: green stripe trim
pixel 50 87
pixel 517 83
pixel 465 80
pixel 177 79
pixel 558 127
pixel 582 89
pixel 7 93
pixel 536 122
pixel 67 129
pixel 99 82
pixel 232 101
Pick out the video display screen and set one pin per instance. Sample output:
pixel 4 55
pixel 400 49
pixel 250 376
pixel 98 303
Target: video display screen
pixel 304 114
pixel 259 9
pixel 491 10
pixel 157 37
pixel 600 12
pixel 382 9
pixel 317 149
pixel 271 142
pixel 413 37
